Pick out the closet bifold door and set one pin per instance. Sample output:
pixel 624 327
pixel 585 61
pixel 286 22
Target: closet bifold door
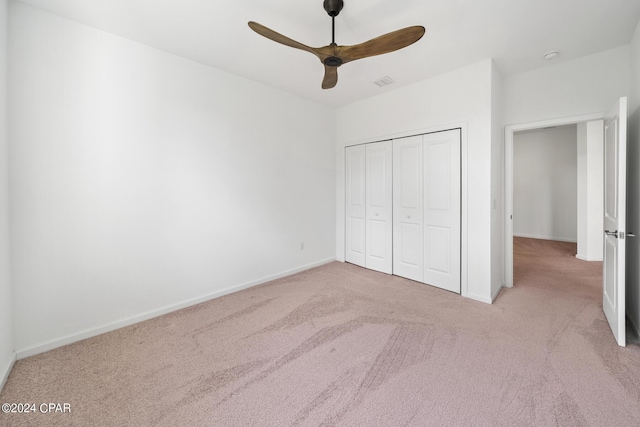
pixel 355 204
pixel 379 208
pixel 442 193
pixel 408 230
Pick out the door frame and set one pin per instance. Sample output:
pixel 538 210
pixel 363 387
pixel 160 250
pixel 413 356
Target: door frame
pixel 464 238
pixel 509 130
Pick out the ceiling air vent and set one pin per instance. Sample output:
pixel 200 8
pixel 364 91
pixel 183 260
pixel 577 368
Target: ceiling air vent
pixel 385 81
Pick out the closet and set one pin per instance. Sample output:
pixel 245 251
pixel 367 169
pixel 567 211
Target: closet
pixel 403 207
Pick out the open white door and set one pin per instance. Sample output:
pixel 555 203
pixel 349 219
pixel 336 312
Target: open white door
pixel 615 189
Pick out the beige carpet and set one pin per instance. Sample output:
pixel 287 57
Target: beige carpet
pixel 340 345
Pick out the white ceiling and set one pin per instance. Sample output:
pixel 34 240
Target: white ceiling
pixel 515 33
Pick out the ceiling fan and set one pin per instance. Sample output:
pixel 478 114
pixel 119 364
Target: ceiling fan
pixel 333 56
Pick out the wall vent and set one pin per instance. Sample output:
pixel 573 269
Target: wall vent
pixel 385 81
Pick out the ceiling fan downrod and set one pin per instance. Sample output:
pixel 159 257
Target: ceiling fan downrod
pixel 333 8
pixel 333 30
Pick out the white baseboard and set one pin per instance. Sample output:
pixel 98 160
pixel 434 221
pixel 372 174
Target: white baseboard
pixel 7 371
pixel 557 239
pixel 584 258
pixel 495 294
pixel 88 333
pixel 480 298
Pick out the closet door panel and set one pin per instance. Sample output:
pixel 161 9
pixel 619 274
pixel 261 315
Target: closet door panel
pixel 442 209
pixel 408 258
pixel 379 210
pixel 355 223
pixel 409 254
pixel 376 243
pixel 437 249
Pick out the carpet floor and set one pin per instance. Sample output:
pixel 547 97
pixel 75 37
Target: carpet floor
pixel 341 345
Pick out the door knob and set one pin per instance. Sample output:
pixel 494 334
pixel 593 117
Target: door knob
pixel 631 234
pixel 611 233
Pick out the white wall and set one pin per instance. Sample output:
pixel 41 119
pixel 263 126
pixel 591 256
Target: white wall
pixel 6 331
pixel 590 190
pixel 460 96
pixel 497 202
pixel 142 181
pixel 633 186
pixel 545 184
pixel 586 85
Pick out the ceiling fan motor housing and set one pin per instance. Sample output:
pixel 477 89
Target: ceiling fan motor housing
pixel 333 7
pixel 333 61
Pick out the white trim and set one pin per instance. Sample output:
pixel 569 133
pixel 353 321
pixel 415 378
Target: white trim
pixel 88 333
pixel 5 374
pixel 481 298
pixel 584 258
pixel 404 134
pixel 464 212
pixel 495 294
pixel 508 178
pixel 557 239
pixel 507 227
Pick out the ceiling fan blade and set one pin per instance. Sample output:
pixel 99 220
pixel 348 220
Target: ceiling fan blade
pixel 277 37
pixel 330 77
pixel 383 44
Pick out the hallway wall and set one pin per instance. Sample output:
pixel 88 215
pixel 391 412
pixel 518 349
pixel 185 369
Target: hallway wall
pixel 545 184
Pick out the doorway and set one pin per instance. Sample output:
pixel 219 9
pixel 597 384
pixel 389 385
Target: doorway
pixel 558 205
pixel 510 132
